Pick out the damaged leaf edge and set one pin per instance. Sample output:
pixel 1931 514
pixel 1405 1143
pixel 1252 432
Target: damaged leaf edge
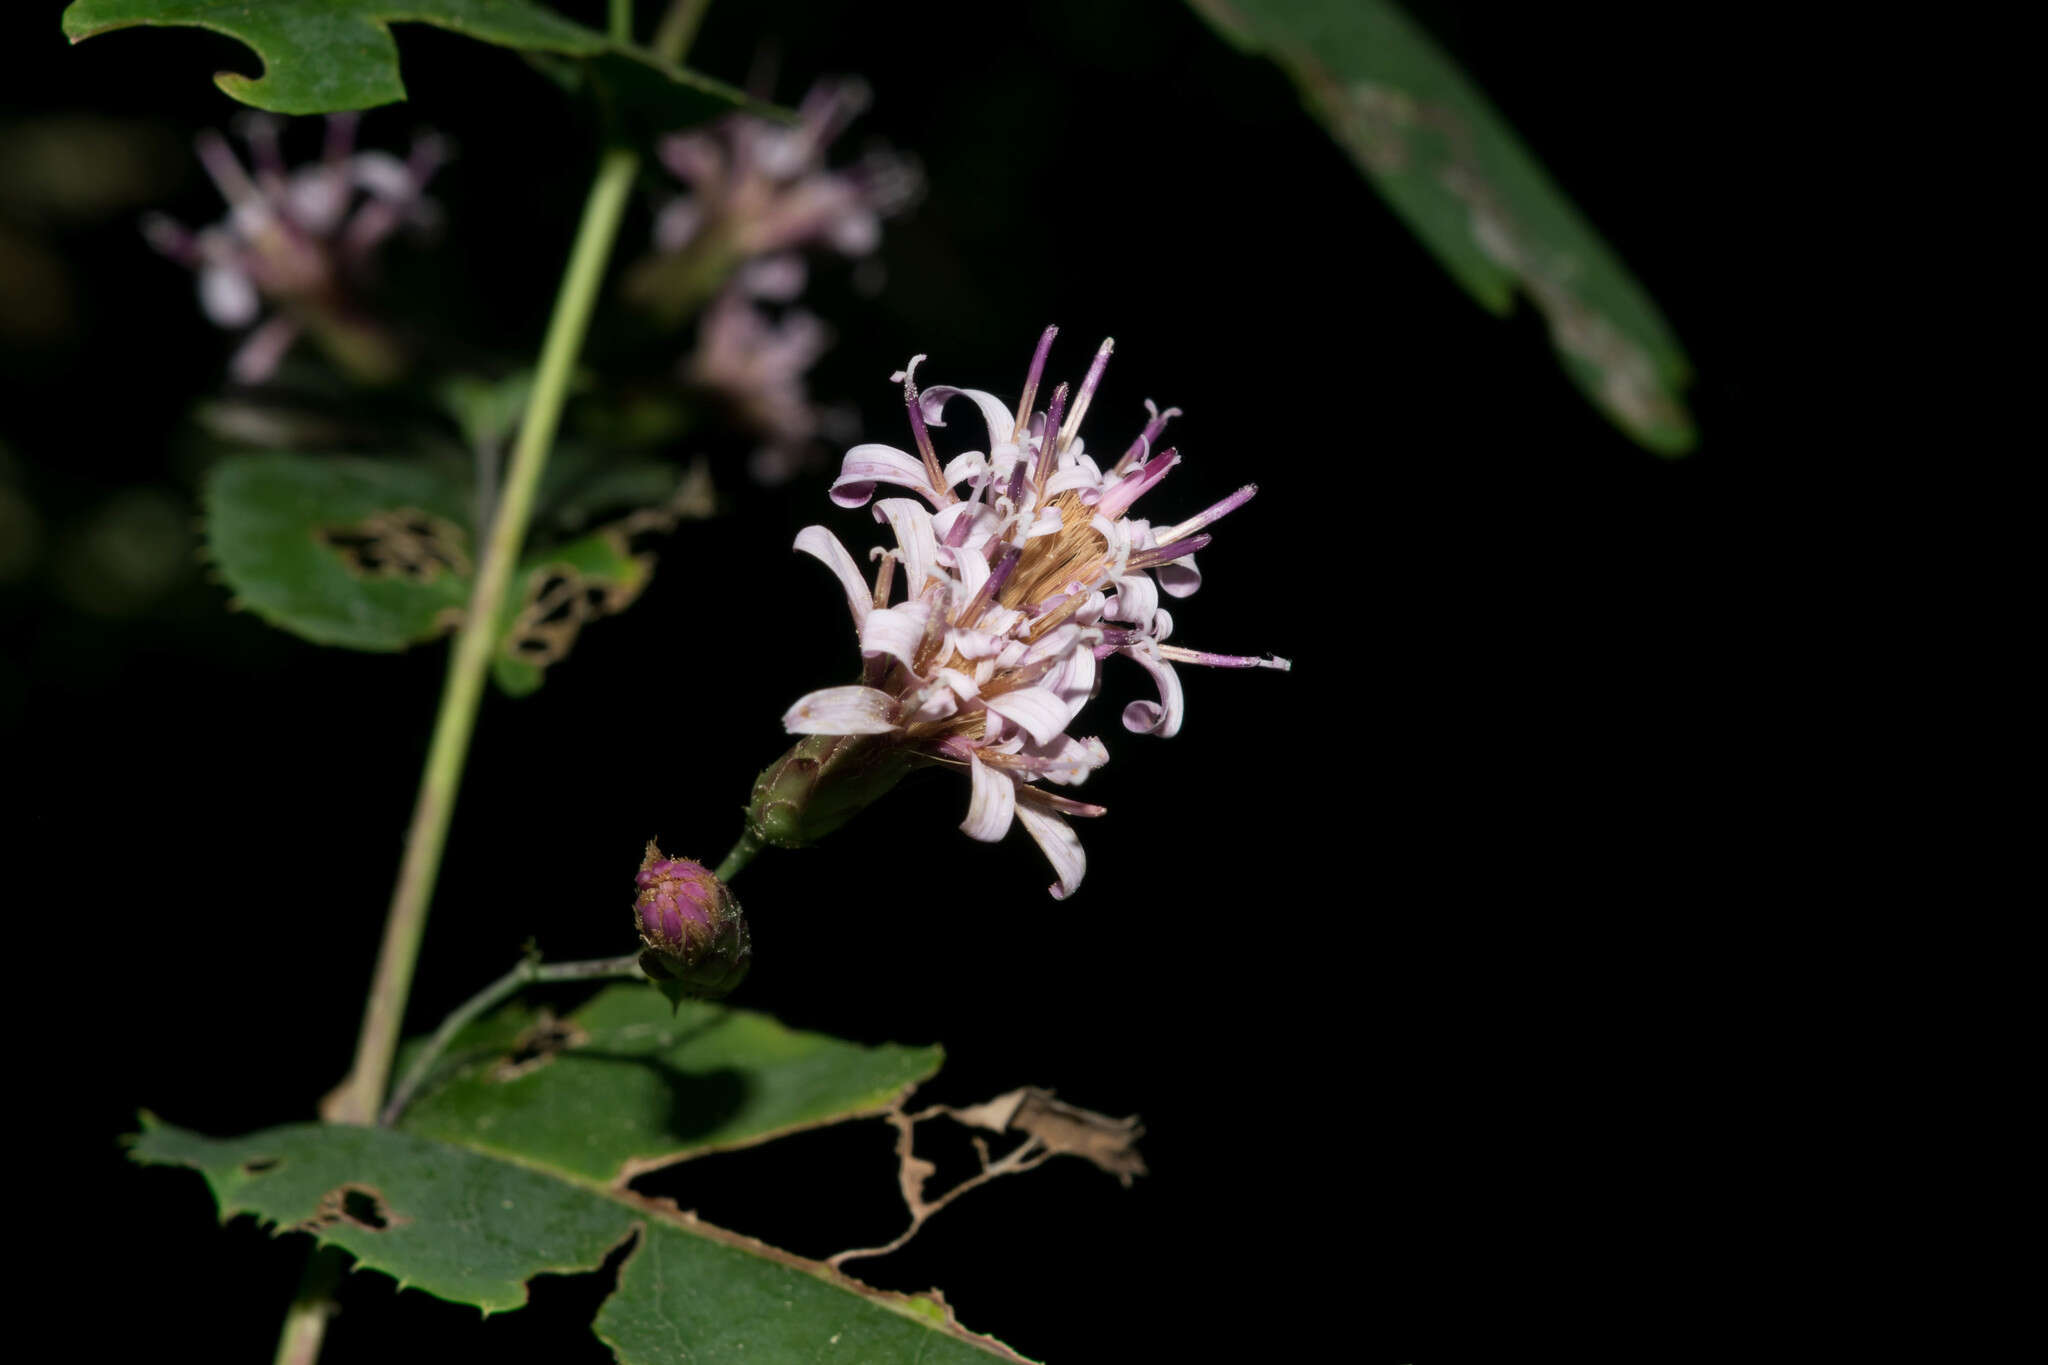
pixel 634 1167
pixel 916 1307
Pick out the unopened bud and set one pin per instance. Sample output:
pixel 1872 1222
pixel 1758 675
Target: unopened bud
pixel 695 938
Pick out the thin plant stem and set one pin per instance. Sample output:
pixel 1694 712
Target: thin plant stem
pixel 741 854
pixel 511 983
pixel 362 1094
pixel 305 1322
pixel 678 27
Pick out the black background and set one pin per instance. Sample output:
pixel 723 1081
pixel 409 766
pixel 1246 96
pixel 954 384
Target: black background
pixel 1411 959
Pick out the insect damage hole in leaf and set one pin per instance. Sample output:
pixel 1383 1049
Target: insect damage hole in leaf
pixel 540 1043
pixel 361 1206
pixel 402 542
pixel 559 602
pixel 479 1227
pixel 598 574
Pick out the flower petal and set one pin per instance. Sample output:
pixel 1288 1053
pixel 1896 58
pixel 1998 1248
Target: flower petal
pixel 1180 578
pixel 258 357
pixel 1055 643
pixel 823 546
pixel 998 415
pixel 1073 680
pixel 913 527
pixel 842 711
pixel 1137 600
pixel 1040 710
pixel 1061 846
pixel 979 520
pixel 935 702
pixel 992 805
pixel 962 685
pixel 228 296
pixel 677 223
pixel 867 465
pixel 961 468
pixel 1160 717
pixel 974 644
pixel 970 571
pixel 896 632
pixel 1066 761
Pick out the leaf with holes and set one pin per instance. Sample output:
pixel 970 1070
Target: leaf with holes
pixel 377 554
pixel 622 1086
pixel 325 56
pixel 474 1229
pixel 369 554
pixel 564 587
pixel 1454 170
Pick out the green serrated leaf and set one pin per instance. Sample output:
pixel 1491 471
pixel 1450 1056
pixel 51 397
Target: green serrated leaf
pixel 632 1086
pixel 369 554
pixel 1453 169
pixel 326 56
pixel 473 1229
pixel 377 554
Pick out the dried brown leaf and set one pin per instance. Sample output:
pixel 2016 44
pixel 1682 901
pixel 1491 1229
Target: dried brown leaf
pixel 1050 1128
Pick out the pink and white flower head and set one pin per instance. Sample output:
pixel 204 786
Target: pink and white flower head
pixel 759 187
pixel 1017 570
pixel 299 240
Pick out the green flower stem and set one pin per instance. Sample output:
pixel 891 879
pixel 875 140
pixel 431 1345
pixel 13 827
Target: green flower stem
pixel 742 853
pixel 511 983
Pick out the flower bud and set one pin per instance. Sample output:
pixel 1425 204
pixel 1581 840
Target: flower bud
pixel 820 784
pixel 695 938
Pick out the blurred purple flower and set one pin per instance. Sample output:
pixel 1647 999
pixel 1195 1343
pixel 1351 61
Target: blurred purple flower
pixel 300 240
pixel 758 187
pixel 760 194
pixel 756 365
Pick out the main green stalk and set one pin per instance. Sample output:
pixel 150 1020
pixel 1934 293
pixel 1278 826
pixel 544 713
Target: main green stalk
pixel 360 1096
pixel 363 1092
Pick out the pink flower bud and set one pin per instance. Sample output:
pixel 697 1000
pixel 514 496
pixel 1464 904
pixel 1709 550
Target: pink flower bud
pixel 695 938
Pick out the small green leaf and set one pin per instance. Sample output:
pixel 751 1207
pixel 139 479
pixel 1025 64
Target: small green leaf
pixel 473 1229
pixel 1453 169
pixel 370 554
pixel 624 1086
pixel 487 410
pixel 325 56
